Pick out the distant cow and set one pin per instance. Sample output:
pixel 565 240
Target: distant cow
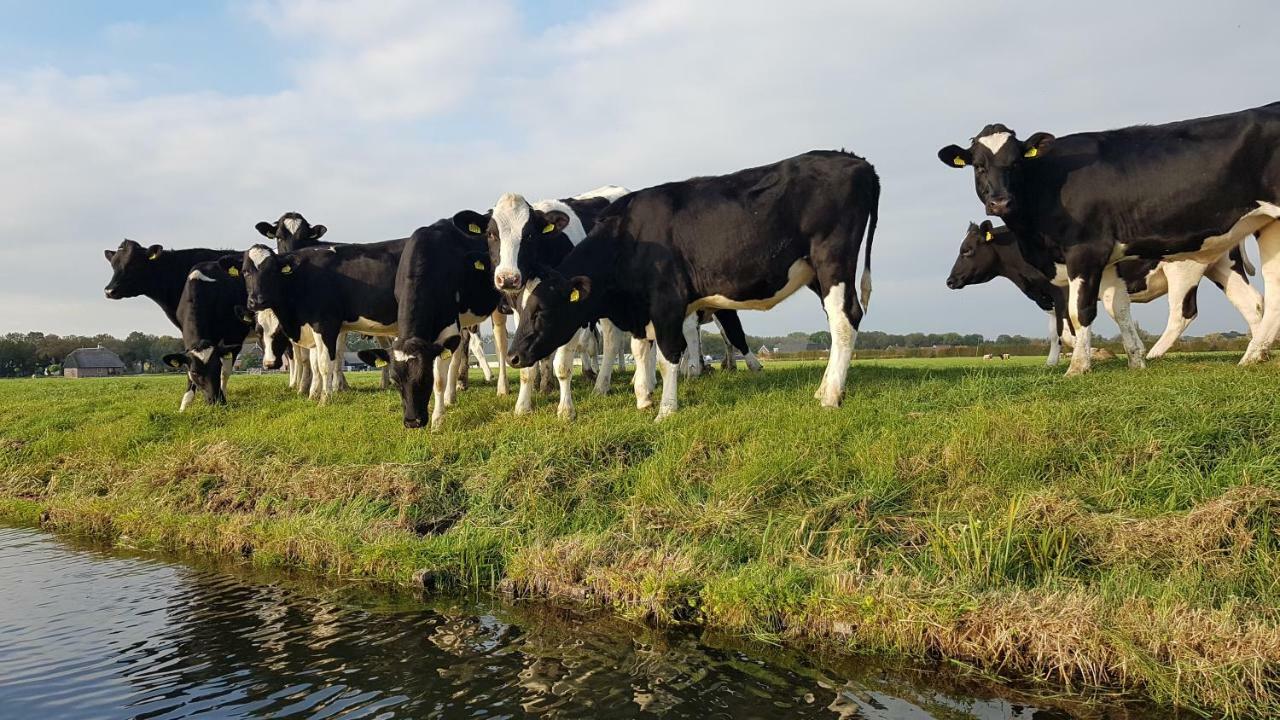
pixel 443 283
pixel 214 326
pixel 988 251
pixel 1189 190
pixel 744 241
pixel 317 294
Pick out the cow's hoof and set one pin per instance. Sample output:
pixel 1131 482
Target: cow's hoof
pixel 567 413
pixel 664 413
pixel 1076 371
pixel 833 403
pixel 523 409
pixel 601 390
pixel 1137 363
pixel 436 424
pixel 1253 358
pixel 644 404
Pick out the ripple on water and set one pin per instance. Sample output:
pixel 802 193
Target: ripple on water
pixel 89 634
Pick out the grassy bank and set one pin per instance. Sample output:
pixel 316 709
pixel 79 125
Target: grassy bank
pixel 1118 530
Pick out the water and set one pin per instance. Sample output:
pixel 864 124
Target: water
pixel 86 633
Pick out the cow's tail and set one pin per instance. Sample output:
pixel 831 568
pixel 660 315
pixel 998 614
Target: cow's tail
pixel 865 296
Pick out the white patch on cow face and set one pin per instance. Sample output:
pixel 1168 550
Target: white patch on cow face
pixel 798 275
pixel 292 225
pixel 401 356
pixel 258 255
pixel 270 325
pixel 574 230
pixel 203 355
pixel 197 275
pixel 510 214
pixel 528 291
pixel 995 141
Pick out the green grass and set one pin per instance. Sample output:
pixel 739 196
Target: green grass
pixel 1120 530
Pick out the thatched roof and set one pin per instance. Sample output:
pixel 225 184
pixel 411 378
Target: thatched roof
pixel 98 357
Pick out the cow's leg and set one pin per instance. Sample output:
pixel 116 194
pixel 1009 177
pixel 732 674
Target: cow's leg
pixel 670 349
pixel 735 338
pixel 330 365
pixel 564 375
pixel 691 362
pixel 1182 278
pixel 316 385
pixel 188 396
pixel 730 361
pixel 290 362
pixel 1055 340
pixel 500 346
pixel 439 382
pixel 588 350
pixel 844 314
pixel 1243 296
pixel 643 381
pixel 384 342
pixel 611 340
pixel 477 349
pixel 227 365
pixel 1082 308
pixel 340 354
pixel 1269 247
pixel 1115 297
pixel 454 365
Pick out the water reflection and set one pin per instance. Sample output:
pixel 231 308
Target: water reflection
pixel 86 634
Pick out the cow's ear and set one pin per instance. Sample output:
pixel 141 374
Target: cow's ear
pixel 375 358
pixel 176 360
pixel 230 264
pixel 1037 145
pixel 450 344
pixel 286 268
pixel 110 255
pixel 987 230
pixel 955 156
pixel 318 231
pixel 154 251
pixel 470 222
pixel 478 261
pixel 266 229
pixel 556 221
pixel 579 288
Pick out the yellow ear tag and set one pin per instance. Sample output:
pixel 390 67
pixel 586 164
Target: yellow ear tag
pixel 445 355
pixel 957 161
pixel 479 265
pixel 227 356
pixel 989 237
pixel 153 256
pixel 549 228
pixel 379 363
pixel 1031 153
pixel 286 269
pixel 575 295
pixel 474 229
pixel 233 271
pixel 174 363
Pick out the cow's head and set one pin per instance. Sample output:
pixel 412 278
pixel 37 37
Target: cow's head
pixel 413 371
pixel 291 232
pixel 130 265
pixel 275 343
pixel 204 370
pixel 514 232
pixel 998 158
pixel 266 276
pixel 553 310
pixel 978 261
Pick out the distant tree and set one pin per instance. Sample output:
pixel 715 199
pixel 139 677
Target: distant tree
pixel 822 337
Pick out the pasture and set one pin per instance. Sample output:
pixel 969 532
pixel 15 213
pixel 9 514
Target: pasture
pixel 1117 530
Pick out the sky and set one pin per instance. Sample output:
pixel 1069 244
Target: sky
pixel 183 124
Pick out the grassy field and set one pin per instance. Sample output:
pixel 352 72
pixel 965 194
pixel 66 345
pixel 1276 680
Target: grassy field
pixel 1120 530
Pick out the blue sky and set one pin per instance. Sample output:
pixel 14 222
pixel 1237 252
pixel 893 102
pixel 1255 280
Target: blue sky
pixel 184 123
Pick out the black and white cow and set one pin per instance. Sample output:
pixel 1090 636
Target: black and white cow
pixel 316 295
pixel 525 241
pixel 744 241
pixel 443 283
pixel 291 232
pixel 214 326
pixel 988 252
pixel 1185 190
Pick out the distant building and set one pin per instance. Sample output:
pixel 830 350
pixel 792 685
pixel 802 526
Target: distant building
pixel 796 345
pixel 351 362
pixel 92 362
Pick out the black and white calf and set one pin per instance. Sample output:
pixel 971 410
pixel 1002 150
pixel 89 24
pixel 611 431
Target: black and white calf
pixel 318 294
pixel 214 325
pixel 1189 190
pixel 988 251
pixel 744 241
pixel 524 242
pixel 443 283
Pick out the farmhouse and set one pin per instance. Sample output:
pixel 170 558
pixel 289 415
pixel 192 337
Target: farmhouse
pixel 92 362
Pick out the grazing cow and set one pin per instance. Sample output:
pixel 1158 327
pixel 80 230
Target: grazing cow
pixel 443 283
pixel 318 294
pixel 1189 190
pixel 1004 356
pixel 988 356
pixel 988 251
pixel 744 241
pixel 214 325
pixel 524 242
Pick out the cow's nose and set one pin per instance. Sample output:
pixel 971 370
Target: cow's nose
pixel 507 280
pixel 514 360
pixel 271 364
pixel 255 303
pixel 953 283
pixel 413 423
pixel 110 293
pixel 998 206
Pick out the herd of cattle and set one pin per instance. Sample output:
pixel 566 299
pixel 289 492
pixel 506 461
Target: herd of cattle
pixel 1122 215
